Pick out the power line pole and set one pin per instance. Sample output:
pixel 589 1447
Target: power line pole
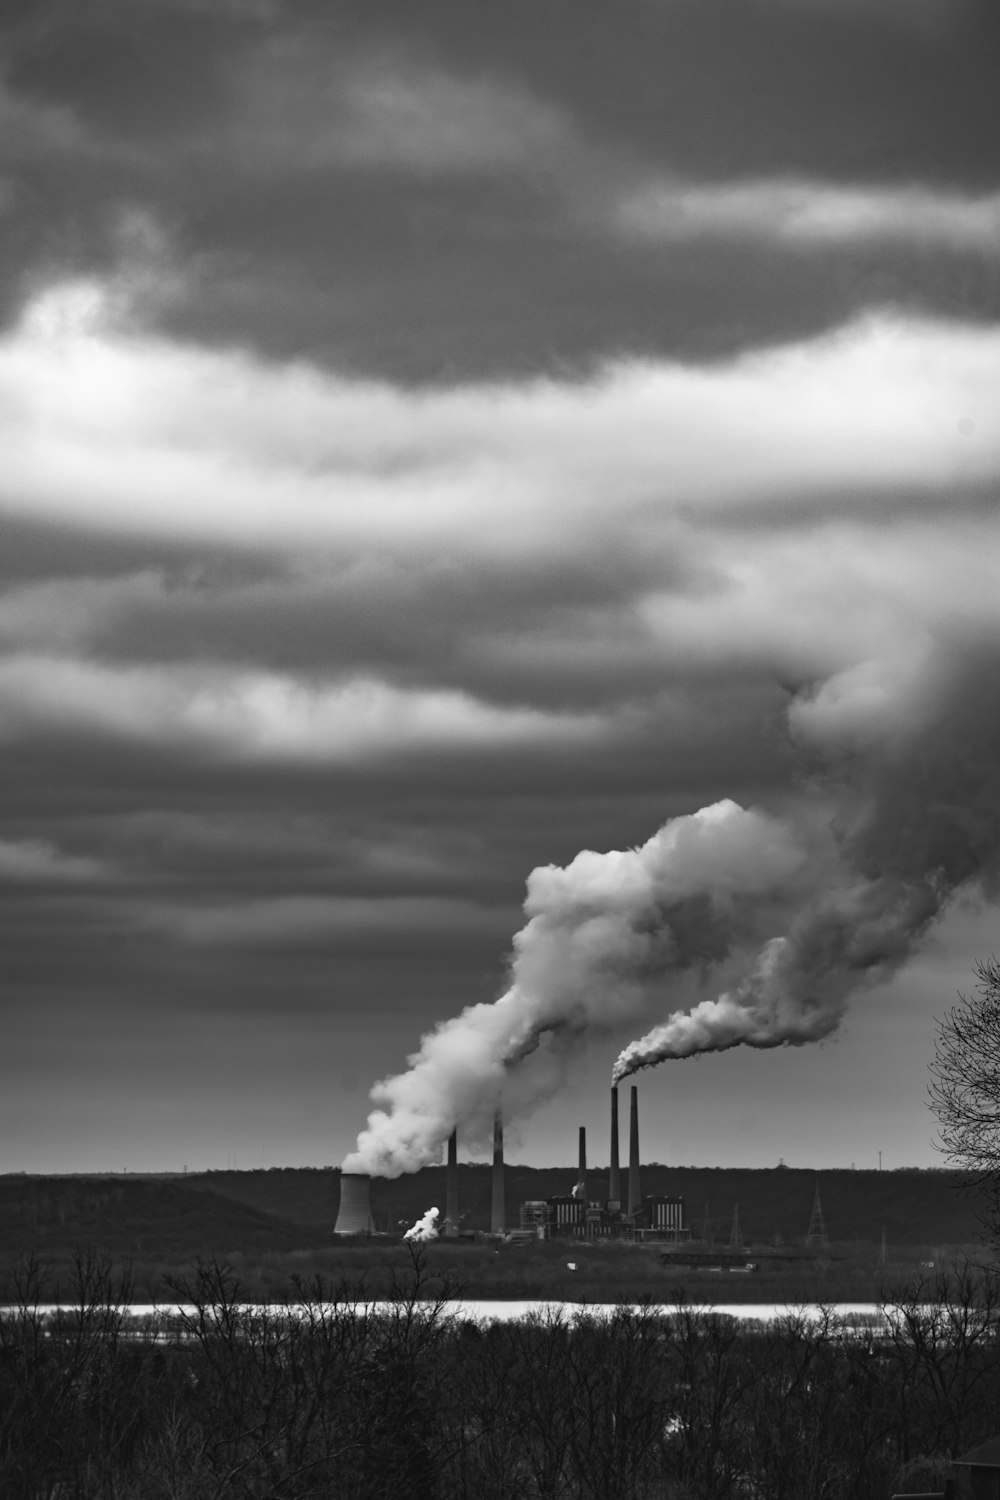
pixel 816 1235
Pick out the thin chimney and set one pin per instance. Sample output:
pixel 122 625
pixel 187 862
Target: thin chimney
pixel 582 1178
pixel 498 1216
pixel 614 1183
pixel 451 1188
pixel 634 1189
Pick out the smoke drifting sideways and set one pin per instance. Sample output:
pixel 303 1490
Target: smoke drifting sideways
pixel 425 1228
pixel 911 748
pixel 764 925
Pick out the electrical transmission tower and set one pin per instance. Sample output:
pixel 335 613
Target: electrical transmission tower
pixel 816 1235
pixel 736 1234
pixel 883 1255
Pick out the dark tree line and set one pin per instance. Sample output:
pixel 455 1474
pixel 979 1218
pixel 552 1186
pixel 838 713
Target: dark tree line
pixel 348 1402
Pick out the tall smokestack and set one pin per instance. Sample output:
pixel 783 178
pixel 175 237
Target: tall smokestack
pixel 498 1216
pixel 582 1178
pixel 355 1213
pixel 634 1190
pixel 451 1188
pixel 615 1179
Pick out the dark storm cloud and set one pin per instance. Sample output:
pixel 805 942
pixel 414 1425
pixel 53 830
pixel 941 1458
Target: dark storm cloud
pixel 435 195
pixel 36 551
pixel 556 631
pixel 510 305
pixel 717 91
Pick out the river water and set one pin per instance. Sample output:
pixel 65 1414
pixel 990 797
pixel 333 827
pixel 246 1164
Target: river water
pixel 755 1312
pixel 486 1310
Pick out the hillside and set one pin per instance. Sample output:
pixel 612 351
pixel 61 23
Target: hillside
pixel 134 1217
pixel 304 1195
pixel 913 1207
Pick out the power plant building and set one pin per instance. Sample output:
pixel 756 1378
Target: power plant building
pixel 568 1214
pixel 666 1215
pixel 536 1217
pixel 572 1215
pixel 657 1218
pixel 575 1216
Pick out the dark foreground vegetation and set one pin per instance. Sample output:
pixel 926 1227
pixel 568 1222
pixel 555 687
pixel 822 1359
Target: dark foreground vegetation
pixel 240 1402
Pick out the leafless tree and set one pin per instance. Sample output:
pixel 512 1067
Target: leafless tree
pixel 965 1085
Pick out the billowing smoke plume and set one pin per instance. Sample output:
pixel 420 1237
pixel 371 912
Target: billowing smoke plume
pixel 425 1228
pixel 912 750
pixel 600 935
pixel 761 926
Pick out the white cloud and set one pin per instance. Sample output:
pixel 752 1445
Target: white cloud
pixel 805 213
pixel 811 598
pixel 110 430
pixel 259 716
pixel 761 495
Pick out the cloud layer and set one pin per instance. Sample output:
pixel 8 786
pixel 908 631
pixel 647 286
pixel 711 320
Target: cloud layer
pixel 437 444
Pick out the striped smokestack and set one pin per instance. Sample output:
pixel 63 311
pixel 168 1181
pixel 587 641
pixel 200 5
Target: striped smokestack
pixel 634 1190
pixel 498 1216
pixel 451 1188
pixel 355 1213
pixel 615 1180
pixel 582 1178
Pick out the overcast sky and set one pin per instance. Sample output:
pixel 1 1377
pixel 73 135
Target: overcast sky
pixel 439 438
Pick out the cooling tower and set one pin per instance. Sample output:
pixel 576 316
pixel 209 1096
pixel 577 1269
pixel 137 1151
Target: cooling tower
pixel 634 1189
pixel 498 1216
pixel 615 1179
pixel 355 1214
pixel 581 1190
pixel 451 1188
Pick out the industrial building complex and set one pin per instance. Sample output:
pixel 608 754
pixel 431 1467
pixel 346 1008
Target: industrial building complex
pixel 577 1215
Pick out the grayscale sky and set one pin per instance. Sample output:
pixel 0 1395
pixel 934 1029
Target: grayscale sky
pixel 440 438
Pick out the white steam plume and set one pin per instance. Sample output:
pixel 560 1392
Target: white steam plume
pixel 425 1228
pixel 778 919
pixel 915 746
pixel 600 935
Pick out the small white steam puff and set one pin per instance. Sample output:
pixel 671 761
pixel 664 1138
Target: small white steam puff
pixel 425 1228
